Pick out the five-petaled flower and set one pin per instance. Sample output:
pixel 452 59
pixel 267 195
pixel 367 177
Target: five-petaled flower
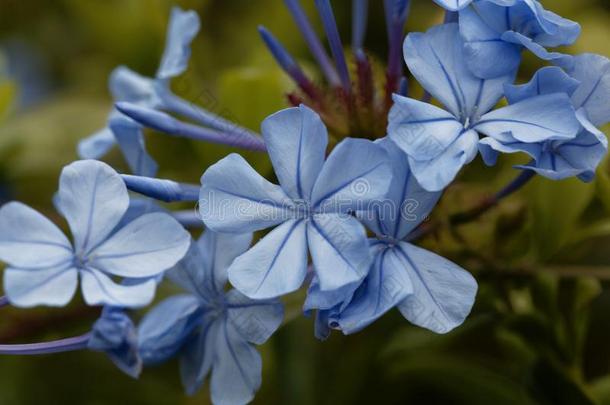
pixel 312 206
pixel 44 266
pixel 211 330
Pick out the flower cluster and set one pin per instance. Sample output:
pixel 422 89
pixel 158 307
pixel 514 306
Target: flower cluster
pixel 345 212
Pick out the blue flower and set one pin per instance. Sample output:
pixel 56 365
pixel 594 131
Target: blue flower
pixel 210 329
pixel 429 290
pixel 589 88
pixel 127 85
pixel 496 31
pixel 115 334
pixel 438 142
pixel 44 266
pixel 312 206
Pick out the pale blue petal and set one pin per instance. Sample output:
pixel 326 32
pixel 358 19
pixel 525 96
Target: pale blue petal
pixel 490 147
pixel 130 138
pixel 218 251
pixel 275 266
pixel 127 85
pixel 562 31
pixel 387 284
pixel 355 174
pixel 436 174
pixel 235 198
pixel 197 356
pixel 593 72
pixel 99 289
pixel 93 198
pixel 547 80
pixel 296 141
pixel 339 250
pixel 436 59
pixel 53 286
pixel 115 334
pixel 167 326
pixel 407 203
pixel 533 120
pixel 453 5
pixel 182 29
pixel 421 130
pixel 255 320
pixel 560 59
pixel 28 239
pixel 443 293
pixel 325 300
pixel 236 373
pixel 145 247
pixel 96 145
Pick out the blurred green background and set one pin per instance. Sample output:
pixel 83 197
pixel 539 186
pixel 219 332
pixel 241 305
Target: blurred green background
pixel 539 332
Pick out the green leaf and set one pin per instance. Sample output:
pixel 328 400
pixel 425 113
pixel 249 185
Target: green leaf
pixel 555 209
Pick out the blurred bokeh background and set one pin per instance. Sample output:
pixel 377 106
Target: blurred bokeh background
pixel 539 332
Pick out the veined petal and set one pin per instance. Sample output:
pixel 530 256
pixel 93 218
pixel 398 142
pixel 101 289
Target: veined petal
pixel 547 80
pixel 325 300
pixel 387 284
pixel 593 73
pixel 407 203
pixel 236 373
pixel 99 289
pixel 453 5
pixel 423 131
pixel 296 141
pixel 339 250
pixel 355 174
pixel 490 147
pixel 533 120
pixel 167 326
pixel 182 29
pixel 235 198
pixel 275 266
pixel 129 136
pixel 255 320
pixel 93 198
pixel 145 247
pixel 28 239
pixel 436 59
pixel 540 51
pixel 197 356
pixel 96 145
pixel 443 293
pixel 52 286
pixel 436 174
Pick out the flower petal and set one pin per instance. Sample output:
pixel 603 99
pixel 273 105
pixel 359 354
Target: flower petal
pixel 129 136
pixel 93 198
pixel 197 357
pixel 533 120
pixel 547 80
pixel 387 284
pixel 145 247
pixel 28 239
pixel 182 29
pixel 407 203
pixel 296 141
pixel 96 145
pixel 235 198
pixel 99 289
pixel 443 293
pixel 436 59
pixel 593 72
pixel 453 5
pixel 436 174
pixel 275 266
pixel 339 250
pixel 236 373
pixel 53 286
pixel 167 326
pixel 355 174
pixel 127 85
pixel 255 320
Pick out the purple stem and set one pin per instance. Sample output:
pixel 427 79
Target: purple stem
pixel 161 189
pixel 334 41
pixel 4 301
pixel 359 21
pixel 165 123
pixel 56 346
pixel 315 46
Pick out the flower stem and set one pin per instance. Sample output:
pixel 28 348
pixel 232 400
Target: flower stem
pixel 4 301
pixel 188 218
pixel 161 189
pixel 56 346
